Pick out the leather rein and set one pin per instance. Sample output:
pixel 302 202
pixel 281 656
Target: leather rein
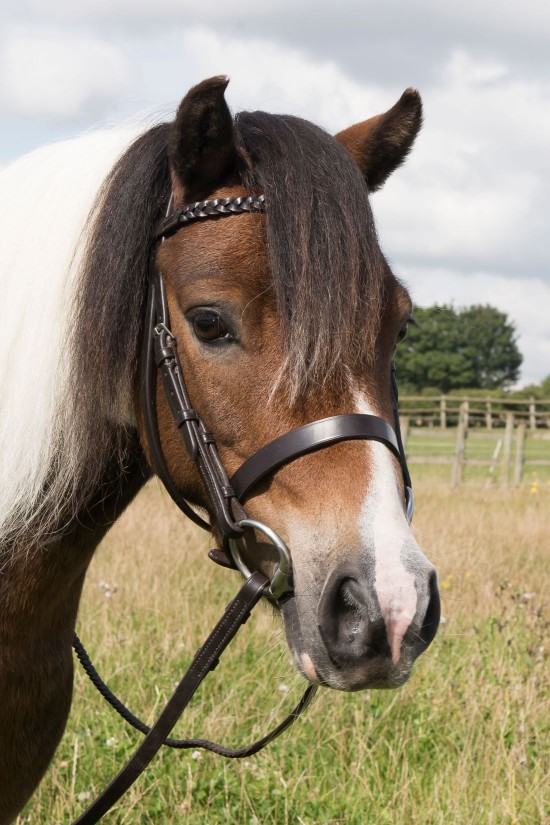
pixel 226 497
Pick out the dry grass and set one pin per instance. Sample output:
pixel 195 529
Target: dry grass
pixel 466 741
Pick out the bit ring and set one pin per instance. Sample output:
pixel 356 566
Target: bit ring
pixel 281 581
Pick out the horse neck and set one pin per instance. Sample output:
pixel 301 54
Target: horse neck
pixel 39 594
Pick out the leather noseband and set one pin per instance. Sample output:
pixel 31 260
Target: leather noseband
pixel 306 439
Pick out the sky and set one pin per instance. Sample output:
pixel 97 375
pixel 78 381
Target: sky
pixel 466 220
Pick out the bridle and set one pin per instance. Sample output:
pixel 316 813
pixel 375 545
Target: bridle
pixel 227 497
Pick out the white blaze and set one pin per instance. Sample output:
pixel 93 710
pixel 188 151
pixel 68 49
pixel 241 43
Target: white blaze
pixel 384 527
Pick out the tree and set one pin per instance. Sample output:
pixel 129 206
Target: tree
pixel 472 347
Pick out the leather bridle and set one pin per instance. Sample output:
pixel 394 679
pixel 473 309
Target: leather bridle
pixel 227 496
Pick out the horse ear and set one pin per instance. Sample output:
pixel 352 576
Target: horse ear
pixel 202 150
pixel 381 144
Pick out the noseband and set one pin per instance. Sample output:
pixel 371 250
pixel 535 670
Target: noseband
pixel 226 497
pixel 228 494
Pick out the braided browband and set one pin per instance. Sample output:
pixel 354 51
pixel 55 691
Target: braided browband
pixel 207 209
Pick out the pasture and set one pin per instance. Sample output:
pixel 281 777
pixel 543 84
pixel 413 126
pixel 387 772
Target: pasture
pixel 466 741
pixel 430 452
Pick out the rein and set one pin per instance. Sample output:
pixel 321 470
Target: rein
pixel 226 497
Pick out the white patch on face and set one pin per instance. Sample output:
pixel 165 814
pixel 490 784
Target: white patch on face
pixel 383 526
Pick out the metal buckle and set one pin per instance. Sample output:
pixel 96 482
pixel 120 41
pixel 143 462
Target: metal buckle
pixel 160 328
pixel 281 581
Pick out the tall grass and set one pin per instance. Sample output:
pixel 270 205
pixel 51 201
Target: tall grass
pixel 465 741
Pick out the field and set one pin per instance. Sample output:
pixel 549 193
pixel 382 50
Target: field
pixel 466 741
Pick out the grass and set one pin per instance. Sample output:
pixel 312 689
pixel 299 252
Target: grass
pixel 465 741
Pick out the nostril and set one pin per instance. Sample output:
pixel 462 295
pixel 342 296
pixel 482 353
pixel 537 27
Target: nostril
pixel 351 596
pixel 337 616
pixel 344 624
pixel 433 613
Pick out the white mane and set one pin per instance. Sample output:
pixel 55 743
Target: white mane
pixel 45 198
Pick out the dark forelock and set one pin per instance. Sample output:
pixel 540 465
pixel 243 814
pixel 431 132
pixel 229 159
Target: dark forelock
pixel 326 265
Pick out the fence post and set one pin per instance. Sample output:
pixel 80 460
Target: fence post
pixel 520 453
pixel 466 406
pixel 404 422
pixel 488 415
pixel 457 473
pixel 507 449
pixel 494 460
pixel 443 412
pixel 532 414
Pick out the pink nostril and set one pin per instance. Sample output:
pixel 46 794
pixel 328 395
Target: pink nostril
pixel 398 621
pixel 396 629
pixel 309 667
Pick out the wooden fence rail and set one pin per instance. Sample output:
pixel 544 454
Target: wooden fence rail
pixel 491 412
pixel 505 454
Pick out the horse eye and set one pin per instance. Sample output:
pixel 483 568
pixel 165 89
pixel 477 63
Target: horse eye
pixel 209 326
pixel 402 334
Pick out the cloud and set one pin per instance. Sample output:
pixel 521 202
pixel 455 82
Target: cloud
pixel 474 192
pixel 285 79
pixel 49 73
pixel 386 41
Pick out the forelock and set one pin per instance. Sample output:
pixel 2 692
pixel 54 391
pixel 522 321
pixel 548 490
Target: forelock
pixel 326 264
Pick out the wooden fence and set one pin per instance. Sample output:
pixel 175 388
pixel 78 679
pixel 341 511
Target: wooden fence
pixel 499 448
pixel 490 412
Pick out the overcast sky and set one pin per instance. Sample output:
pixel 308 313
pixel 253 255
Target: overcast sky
pixel 465 221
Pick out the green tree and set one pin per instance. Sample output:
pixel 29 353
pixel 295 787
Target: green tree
pixel 452 349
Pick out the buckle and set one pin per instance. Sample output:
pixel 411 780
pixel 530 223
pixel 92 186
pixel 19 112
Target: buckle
pixel 160 328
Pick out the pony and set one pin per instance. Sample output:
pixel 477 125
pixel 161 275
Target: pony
pixel 282 317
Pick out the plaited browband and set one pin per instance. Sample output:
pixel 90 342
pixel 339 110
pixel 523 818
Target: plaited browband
pixel 216 208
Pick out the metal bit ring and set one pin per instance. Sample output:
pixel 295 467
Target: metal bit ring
pixel 281 581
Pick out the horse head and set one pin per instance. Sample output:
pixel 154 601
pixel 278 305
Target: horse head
pixel 284 318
